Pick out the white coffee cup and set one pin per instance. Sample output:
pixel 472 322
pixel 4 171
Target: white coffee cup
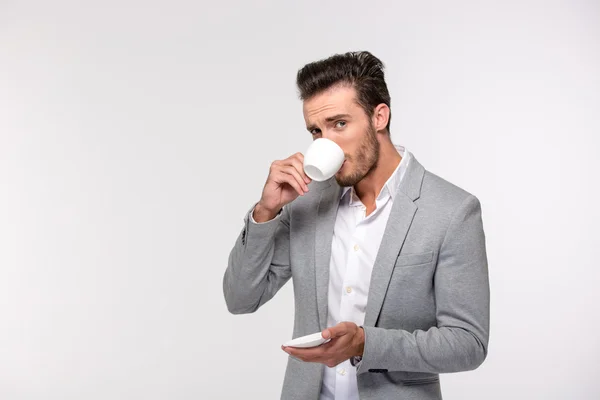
pixel 323 159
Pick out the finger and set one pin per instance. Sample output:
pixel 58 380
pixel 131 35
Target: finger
pixel 275 165
pixel 321 355
pixel 313 354
pixel 298 156
pixel 294 172
pixel 298 162
pixel 283 177
pixel 336 331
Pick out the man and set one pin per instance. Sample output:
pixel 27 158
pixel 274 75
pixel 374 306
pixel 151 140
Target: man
pixel 388 260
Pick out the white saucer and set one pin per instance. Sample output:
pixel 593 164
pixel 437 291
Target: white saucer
pixel 312 340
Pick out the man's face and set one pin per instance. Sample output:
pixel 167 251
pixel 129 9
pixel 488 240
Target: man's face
pixel 335 115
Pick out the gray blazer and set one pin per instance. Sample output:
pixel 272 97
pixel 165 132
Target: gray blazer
pixel 428 305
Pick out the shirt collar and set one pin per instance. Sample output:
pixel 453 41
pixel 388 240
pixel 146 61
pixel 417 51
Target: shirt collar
pixel 391 185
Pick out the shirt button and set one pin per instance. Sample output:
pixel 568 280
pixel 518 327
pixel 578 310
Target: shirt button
pixel 356 247
pixel 342 371
pixel 348 290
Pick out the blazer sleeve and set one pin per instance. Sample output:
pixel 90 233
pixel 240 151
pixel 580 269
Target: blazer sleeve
pixel 459 342
pixel 259 263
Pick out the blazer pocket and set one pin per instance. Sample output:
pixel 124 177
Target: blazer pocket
pixel 404 260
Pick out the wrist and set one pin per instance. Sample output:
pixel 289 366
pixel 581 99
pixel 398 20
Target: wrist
pixel 361 342
pixel 360 347
pixel 263 214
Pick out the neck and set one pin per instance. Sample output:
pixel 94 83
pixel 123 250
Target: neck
pixel 369 187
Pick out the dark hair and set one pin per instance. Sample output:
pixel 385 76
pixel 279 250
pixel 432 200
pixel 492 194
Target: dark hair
pixel 360 69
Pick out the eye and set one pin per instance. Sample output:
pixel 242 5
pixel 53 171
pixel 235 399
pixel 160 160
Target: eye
pixel 315 132
pixel 340 124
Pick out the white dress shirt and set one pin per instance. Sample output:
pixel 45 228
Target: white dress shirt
pixel 356 240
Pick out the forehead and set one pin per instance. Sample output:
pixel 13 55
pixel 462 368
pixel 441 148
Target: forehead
pixel 336 100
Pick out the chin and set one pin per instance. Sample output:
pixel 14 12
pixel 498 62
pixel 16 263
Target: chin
pixel 344 180
pixel 340 180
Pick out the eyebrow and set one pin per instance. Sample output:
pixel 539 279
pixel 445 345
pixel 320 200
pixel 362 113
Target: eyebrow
pixel 331 119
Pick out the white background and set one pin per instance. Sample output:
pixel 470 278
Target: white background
pixel 135 135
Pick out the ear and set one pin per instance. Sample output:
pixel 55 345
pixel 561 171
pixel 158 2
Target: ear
pixel 381 116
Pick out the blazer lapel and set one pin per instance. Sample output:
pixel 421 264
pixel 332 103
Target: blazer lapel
pixel 400 219
pixel 326 214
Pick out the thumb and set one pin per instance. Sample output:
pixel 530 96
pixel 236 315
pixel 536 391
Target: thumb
pixel 335 331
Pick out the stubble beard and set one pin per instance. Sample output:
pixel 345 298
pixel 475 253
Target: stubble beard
pixel 365 160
